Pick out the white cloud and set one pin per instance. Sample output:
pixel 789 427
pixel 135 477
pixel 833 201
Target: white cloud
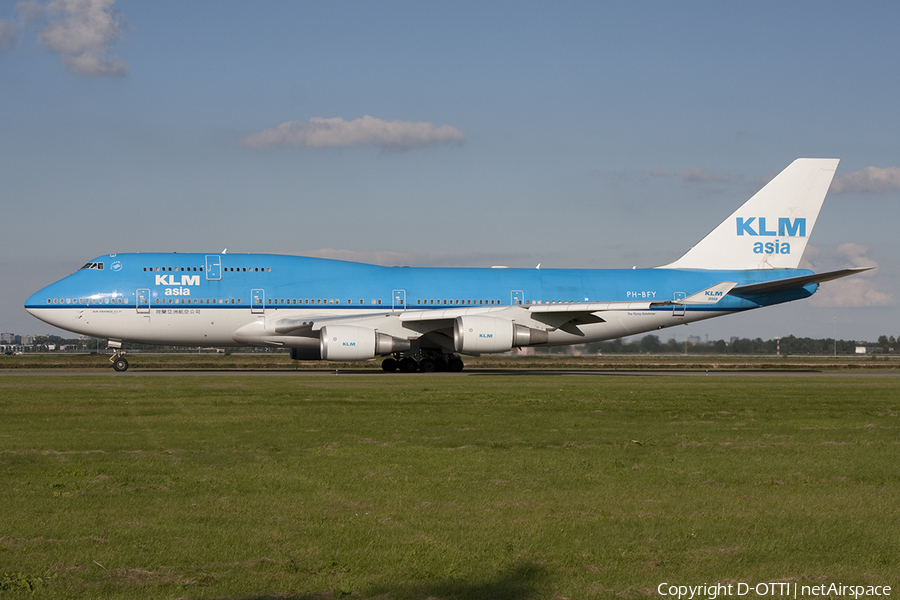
pixel 81 32
pixel 691 175
pixel 698 175
pixel 870 179
pixel 7 34
pixel 855 254
pixel 322 133
pixel 856 291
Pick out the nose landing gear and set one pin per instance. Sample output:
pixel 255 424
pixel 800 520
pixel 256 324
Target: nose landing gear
pixel 119 364
pixel 117 359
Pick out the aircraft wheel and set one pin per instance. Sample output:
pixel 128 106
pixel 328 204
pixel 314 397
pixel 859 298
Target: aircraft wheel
pixel 389 365
pixel 120 365
pixel 409 365
pixel 455 364
pixel 427 365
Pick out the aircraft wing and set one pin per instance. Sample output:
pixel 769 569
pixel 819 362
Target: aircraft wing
pixel 568 316
pixel 310 326
pixel 710 295
pixel 432 319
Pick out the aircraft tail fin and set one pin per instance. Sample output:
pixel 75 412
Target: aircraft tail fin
pixel 771 229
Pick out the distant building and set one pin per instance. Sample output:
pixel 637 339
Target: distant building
pixel 7 338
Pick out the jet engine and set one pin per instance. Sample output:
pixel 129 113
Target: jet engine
pixel 349 342
pixel 474 334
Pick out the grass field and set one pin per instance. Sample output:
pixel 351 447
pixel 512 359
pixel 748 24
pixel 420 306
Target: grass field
pixel 482 487
pixel 280 361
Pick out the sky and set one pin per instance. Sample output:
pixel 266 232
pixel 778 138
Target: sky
pixel 570 134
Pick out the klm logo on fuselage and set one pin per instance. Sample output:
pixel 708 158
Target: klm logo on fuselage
pixel 170 280
pixel 182 290
pixel 486 336
pixel 757 226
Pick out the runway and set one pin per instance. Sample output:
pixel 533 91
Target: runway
pixel 471 373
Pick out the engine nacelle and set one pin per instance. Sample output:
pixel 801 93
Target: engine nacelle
pixel 349 342
pixel 474 334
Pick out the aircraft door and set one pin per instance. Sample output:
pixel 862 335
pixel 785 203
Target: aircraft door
pixel 258 302
pixel 517 297
pixel 678 309
pixel 213 267
pixel 398 300
pixel 142 300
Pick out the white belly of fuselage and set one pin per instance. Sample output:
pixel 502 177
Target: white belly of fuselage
pixel 217 327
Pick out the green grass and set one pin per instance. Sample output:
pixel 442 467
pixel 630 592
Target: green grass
pixel 280 361
pixel 502 487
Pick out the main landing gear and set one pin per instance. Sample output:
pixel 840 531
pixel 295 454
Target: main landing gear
pixel 427 362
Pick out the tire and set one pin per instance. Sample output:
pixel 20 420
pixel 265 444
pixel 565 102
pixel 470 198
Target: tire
pixel 389 365
pixel 409 365
pixel 120 365
pixel 427 365
pixel 455 364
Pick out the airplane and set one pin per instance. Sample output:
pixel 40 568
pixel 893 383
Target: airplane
pixel 426 319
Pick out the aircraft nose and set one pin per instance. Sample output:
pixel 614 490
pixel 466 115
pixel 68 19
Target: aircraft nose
pixel 39 305
pixel 34 302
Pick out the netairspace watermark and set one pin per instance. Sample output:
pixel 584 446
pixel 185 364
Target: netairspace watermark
pixel 777 589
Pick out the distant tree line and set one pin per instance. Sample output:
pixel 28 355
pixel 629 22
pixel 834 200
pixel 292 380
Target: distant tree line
pixel 652 344
pixel 649 344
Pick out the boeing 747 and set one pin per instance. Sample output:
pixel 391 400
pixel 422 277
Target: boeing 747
pixel 428 318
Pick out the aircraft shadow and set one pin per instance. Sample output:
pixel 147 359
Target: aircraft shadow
pixel 527 581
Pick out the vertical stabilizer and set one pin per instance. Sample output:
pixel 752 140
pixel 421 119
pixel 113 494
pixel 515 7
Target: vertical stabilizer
pixel 771 229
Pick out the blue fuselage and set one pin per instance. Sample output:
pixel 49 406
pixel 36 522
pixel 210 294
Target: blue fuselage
pixel 263 282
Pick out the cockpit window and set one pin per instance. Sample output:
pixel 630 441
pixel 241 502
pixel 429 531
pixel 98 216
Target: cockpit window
pixel 93 265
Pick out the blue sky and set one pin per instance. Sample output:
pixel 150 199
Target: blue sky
pixel 457 134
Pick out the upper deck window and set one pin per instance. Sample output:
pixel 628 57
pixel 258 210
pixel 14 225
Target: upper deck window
pixel 93 265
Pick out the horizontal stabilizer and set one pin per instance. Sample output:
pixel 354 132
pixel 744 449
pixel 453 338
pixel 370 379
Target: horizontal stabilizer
pixel 781 285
